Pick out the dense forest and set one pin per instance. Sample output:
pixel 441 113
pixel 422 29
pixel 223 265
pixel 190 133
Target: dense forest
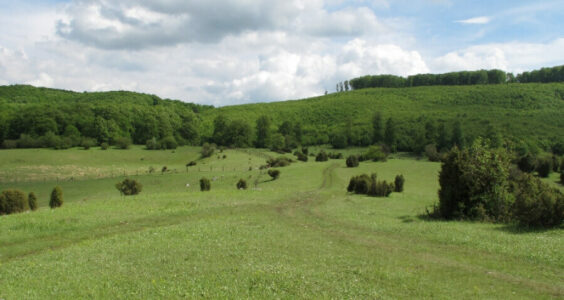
pixel 544 75
pixel 529 117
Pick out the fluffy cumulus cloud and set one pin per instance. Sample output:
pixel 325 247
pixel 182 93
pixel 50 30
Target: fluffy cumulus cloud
pixel 229 51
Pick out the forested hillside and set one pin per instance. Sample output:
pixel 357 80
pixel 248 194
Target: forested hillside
pixel 522 115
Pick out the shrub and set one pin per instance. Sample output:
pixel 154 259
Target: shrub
pixel 352 161
pixel 205 184
pixel 104 146
pixel 279 162
pixel 129 187
pixel 359 184
pixel 242 184
pixel 32 201
pixel 56 197
pixel 375 153
pixel 379 188
pixel 322 156
pixel 431 153
pixel 152 144
pixel 13 201
pixel 164 169
pixel 335 155
pixel 527 163
pixel 191 164
pixel 544 167
pixel 474 184
pixel 122 142
pixel 168 142
pixel 207 150
pixel 274 174
pixel 305 150
pixel 398 183
pixel 10 144
pixel 555 163
pixel 87 143
pixel 536 204
pixel 301 156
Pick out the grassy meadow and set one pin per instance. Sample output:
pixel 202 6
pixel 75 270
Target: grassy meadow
pixel 301 236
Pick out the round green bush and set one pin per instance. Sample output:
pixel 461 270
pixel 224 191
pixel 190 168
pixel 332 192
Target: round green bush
pixel 274 174
pixel 32 200
pixel 104 146
pixel 56 197
pixel 398 183
pixel 352 161
pixel 322 156
pixel 205 184
pixel 242 184
pixel 129 187
pixel 13 201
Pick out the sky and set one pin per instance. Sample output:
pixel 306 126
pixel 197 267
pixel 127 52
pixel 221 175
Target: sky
pixel 227 52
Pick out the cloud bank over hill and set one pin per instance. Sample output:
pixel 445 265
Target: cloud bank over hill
pixel 228 52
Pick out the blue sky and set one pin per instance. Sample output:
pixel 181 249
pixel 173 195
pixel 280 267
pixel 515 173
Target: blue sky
pixel 226 52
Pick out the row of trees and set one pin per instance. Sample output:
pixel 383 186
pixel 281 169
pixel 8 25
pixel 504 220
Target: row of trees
pixel 16 201
pixel 555 74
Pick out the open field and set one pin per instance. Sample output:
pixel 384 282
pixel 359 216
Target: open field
pixel 301 236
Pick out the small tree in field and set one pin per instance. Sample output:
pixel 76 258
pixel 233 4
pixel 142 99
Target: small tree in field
pixel 352 161
pixel 205 184
pixel 242 184
pixel 56 197
pixel 13 201
pixel 129 187
pixel 274 174
pixel 398 183
pixel 32 200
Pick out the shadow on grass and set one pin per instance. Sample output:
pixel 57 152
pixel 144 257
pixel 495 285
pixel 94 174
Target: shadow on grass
pixel 517 229
pixel 407 219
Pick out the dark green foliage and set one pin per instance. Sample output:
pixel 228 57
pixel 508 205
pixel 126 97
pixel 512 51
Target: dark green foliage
pixel 537 204
pixel 431 153
pixel 207 150
pixel 274 174
pixel 335 155
pixel 301 156
pixel 527 163
pixel 263 132
pixel 87 143
pixel 129 187
pixel 457 135
pixel 377 132
pixel 277 142
pixel 474 184
pixel 339 139
pixel 558 147
pixel 190 164
pixel 379 188
pixel 554 74
pixel 390 137
pixel 279 162
pixel 205 184
pixel 164 169
pixel 544 167
pixel 56 199
pixel 122 142
pixel 359 184
pixel 562 177
pixel 242 184
pixel 168 142
pixel 555 163
pixel 398 183
pixel 352 161
pixel 13 201
pixel 322 156
pixel 152 144
pixel 32 200
pixel 305 150
pixel 104 146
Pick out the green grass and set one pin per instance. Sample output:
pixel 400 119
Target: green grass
pixel 301 236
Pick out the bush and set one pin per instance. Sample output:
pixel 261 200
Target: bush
pixel 398 183
pixel 32 201
pixel 122 143
pixel 555 163
pixel 352 161
pixel 544 167
pixel 10 144
pixel 87 143
pixel 536 204
pixel 205 184
pixel 322 156
pixel 13 201
pixel 152 144
pixel 129 187
pixel 191 164
pixel 301 156
pixel 527 163
pixel 335 155
pixel 207 150
pixel 242 184
pixel 56 197
pixel 431 153
pixel 375 153
pixel 164 169
pixel 168 142
pixel 474 184
pixel 359 184
pixel 279 162
pixel 305 150
pixel 274 174
pixel 104 146
pixel 379 188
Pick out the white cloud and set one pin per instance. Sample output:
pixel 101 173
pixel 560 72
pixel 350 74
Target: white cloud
pixel 476 20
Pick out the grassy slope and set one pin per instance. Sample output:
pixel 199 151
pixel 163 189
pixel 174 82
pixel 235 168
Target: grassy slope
pixel 523 110
pixel 300 236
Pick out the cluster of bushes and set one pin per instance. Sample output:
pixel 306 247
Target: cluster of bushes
pixel 529 163
pixel 129 187
pixel 16 201
pixel 274 174
pixel 369 185
pixel 301 156
pixel 165 143
pixel 479 184
pixel 278 162
pixel 335 155
pixel 374 153
pixel 322 156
